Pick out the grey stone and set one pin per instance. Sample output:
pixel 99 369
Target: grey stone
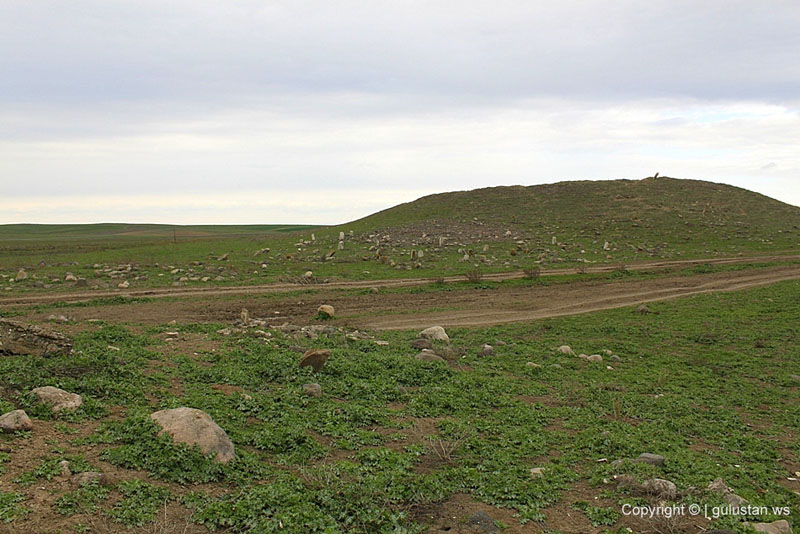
pixel 19 338
pixel 421 343
pixel 435 333
pixel 429 356
pixel 15 421
pixel 652 459
pixel 195 427
pixel 58 399
pixel 312 390
pixel 776 527
pixel 658 487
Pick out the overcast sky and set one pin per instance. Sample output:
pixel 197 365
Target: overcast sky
pixel 293 111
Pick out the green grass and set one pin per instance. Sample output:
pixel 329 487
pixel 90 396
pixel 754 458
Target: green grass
pixel 642 220
pixel 706 382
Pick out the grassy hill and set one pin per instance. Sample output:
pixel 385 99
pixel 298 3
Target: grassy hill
pixel 493 229
pixel 688 216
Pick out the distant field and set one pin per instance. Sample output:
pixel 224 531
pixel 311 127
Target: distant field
pixel 23 232
pixel 491 230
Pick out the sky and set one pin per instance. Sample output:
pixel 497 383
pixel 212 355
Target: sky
pixel 318 112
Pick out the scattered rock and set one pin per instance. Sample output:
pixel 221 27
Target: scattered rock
pixel 482 523
pixel 316 358
pixel 537 472
pixel 566 349
pixel 325 311
pixel 447 352
pixel 124 284
pixel 171 336
pixel 69 277
pixel 421 343
pixel 487 350
pixel 64 465
pixel 87 477
pixel 652 459
pixel 627 482
pixel 195 427
pixel 58 399
pixel 594 358
pixel 776 527
pixel 435 333
pixel 642 309
pixel 15 421
pixel 658 487
pixel 21 275
pixel 312 390
pixel 19 338
pixel 719 487
pixel 533 364
pixel 429 356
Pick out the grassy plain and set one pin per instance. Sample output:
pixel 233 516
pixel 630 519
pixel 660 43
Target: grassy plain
pixel 395 445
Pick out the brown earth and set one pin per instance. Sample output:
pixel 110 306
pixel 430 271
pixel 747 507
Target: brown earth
pixel 283 287
pixel 465 307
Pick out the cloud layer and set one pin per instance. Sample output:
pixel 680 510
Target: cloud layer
pixel 333 110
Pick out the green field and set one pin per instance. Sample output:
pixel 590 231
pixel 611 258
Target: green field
pixel 537 439
pixel 707 382
pixel 495 230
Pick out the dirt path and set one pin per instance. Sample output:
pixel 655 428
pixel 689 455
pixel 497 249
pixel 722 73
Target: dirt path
pixel 464 306
pixel 526 304
pixel 363 284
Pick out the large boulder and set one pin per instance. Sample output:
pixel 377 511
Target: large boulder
pixel 435 333
pixel 195 427
pixel 20 338
pixel 15 421
pixel 58 399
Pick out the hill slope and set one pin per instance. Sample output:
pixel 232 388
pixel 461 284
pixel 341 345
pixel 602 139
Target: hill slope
pixel 634 216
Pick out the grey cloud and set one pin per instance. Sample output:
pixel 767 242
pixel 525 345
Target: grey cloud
pixel 226 51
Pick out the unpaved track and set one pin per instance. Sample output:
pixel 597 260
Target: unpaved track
pixel 363 284
pixel 527 304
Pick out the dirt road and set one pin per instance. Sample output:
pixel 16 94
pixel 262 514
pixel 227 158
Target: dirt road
pixel 463 306
pixel 363 284
pixel 526 304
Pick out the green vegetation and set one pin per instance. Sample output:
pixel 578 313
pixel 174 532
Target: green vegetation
pixel 539 437
pixel 10 507
pixel 499 229
pixel 706 382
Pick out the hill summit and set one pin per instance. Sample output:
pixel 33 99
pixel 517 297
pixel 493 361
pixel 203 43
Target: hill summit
pixel 628 216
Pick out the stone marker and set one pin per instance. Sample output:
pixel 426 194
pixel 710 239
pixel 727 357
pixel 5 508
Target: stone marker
pixel 195 427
